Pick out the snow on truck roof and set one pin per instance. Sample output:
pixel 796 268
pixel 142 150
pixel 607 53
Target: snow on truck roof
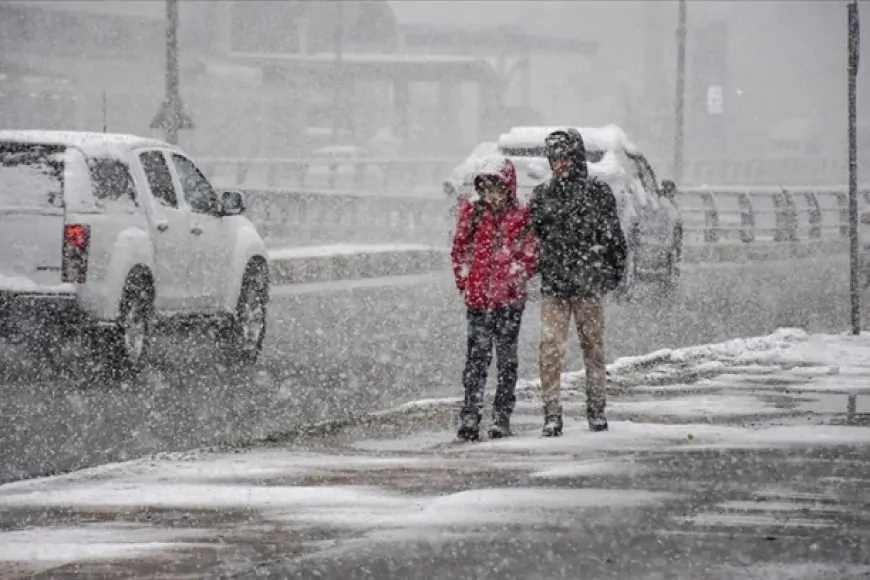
pixel 608 138
pixel 91 144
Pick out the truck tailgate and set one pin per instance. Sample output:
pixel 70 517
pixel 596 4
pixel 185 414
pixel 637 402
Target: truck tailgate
pixel 30 249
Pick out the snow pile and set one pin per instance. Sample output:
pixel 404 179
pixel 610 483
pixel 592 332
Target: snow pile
pixel 91 542
pixel 607 138
pixel 461 179
pixel 90 143
pixel 738 350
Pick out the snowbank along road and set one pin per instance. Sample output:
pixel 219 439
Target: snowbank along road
pixel 344 348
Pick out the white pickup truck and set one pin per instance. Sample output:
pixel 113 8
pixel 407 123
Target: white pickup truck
pixel 110 234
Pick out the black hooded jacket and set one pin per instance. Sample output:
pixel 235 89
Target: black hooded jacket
pixel 582 245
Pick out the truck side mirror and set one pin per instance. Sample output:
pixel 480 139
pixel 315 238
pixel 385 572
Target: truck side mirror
pixel 232 203
pixel 669 189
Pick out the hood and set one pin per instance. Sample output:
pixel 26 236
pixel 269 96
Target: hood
pixel 502 168
pixel 580 163
pixel 570 142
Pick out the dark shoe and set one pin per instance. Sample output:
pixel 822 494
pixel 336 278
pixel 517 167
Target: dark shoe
pixel 501 427
pixel 553 425
pixel 469 426
pixel 597 419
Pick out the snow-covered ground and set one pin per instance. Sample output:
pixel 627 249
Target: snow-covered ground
pixel 787 390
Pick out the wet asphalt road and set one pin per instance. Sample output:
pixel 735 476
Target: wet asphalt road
pixel 333 351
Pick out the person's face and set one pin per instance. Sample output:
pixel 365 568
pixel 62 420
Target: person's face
pixel 495 194
pixel 561 165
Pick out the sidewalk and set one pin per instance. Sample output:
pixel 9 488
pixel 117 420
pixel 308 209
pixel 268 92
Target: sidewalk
pixel 734 460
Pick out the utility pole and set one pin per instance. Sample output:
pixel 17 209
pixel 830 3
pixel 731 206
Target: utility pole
pixel 854 249
pixel 680 100
pixel 338 73
pixel 172 117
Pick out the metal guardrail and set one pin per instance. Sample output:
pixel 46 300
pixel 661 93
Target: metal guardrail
pixel 423 176
pixel 711 215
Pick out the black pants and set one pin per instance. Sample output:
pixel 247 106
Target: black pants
pixel 499 328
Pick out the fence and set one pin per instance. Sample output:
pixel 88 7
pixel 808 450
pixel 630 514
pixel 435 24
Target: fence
pixel 710 215
pixel 342 171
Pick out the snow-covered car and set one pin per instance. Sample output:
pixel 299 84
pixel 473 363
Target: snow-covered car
pixel 104 235
pixel 649 215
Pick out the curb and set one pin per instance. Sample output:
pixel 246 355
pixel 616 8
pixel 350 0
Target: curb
pixel 304 270
pixel 311 269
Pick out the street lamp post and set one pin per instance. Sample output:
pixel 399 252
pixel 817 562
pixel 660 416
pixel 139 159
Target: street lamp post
pixel 680 100
pixel 854 257
pixel 171 117
pixel 338 113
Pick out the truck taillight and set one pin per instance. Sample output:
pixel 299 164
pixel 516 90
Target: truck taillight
pixel 76 241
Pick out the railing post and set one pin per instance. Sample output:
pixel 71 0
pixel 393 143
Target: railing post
pixel 747 219
pixel 272 174
pixel 301 174
pixel 359 172
pixel 712 231
pixel 241 172
pixel 786 222
pixel 791 216
pixel 332 174
pixel 815 217
pixel 843 204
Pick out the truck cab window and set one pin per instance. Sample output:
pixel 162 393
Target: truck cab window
pixel 198 192
pixel 159 178
pixel 111 180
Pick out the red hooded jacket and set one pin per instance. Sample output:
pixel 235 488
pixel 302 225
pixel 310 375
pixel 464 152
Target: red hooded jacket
pixel 493 268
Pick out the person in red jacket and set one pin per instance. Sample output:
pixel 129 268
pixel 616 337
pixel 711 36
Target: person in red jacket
pixel 494 255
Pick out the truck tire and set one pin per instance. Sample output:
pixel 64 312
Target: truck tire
pixel 129 341
pixel 242 338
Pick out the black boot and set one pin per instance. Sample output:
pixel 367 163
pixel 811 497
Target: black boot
pixel 469 425
pixel 552 423
pixel 501 425
pixel 596 417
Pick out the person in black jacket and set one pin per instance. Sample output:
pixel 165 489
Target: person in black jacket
pixel 582 259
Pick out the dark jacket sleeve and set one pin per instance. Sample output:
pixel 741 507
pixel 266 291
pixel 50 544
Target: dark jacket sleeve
pixel 540 220
pixel 612 237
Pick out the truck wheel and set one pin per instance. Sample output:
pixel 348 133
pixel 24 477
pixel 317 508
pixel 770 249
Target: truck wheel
pixel 243 337
pixel 130 339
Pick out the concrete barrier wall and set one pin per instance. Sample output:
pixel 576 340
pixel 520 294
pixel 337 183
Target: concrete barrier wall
pixel 720 225
pixel 312 269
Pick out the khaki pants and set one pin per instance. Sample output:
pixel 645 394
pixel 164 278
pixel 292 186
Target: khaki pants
pixel 555 319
